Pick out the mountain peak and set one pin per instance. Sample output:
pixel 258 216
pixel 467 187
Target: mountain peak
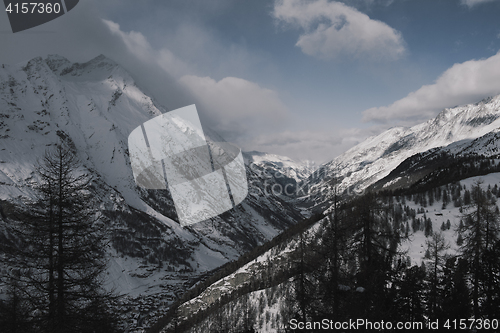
pixel 377 156
pixel 94 106
pixel 489 105
pixel 57 63
pixel 101 63
pixel 101 60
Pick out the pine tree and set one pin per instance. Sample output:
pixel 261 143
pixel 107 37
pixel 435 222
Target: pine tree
pixel 333 252
pixel 467 198
pixel 375 243
pixel 456 300
pixel 430 194
pixel 446 199
pixel 480 230
pixel 62 259
pixel 13 310
pixel 435 247
pixel 303 285
pixel 410 298
pixel 491 263
pixel 428 227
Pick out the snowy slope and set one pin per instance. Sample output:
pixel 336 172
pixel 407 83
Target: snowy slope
pixel 416 244
pixel 268 306
pixel 297 170
pixel 93 107
pixel 377 156
pixel 471 130
pixel 457 160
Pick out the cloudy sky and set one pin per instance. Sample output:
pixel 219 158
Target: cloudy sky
pixel 303 78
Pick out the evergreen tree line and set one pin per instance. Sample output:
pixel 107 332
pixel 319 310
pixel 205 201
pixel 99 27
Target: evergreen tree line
pixel 458 167
pixel 55 260
pixel 442 197
pixel 246 314
pixel 426 170
pixel 274 275
pixel 353 268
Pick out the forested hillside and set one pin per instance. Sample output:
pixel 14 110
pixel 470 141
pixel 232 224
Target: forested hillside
pixel 408 257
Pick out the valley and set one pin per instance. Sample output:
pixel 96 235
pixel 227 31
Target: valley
pixel 411 183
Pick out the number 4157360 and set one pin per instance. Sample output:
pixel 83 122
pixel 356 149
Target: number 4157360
pixel 479 324
pixel 34 7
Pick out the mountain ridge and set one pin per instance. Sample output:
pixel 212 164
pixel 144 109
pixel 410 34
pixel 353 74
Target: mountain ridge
pixel 474 128
pixel 92 108
pixel 374 158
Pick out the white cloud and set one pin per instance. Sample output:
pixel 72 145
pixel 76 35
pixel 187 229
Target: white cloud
pixel 82 35
pixel 138 45
pixel 246 112
pixel 237 108
pixel 255 118
pixel 333 30
pixel 467 82
pixel 312 144
pixel 471 3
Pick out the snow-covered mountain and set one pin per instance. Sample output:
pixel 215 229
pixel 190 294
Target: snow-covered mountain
pixel 93 107
pixel 451 153
pixel 297 170
pixel 467 157
pixel 268 308
pixel 377 156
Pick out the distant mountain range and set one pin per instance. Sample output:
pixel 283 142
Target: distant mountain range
pixel 411 169
pixel 94 106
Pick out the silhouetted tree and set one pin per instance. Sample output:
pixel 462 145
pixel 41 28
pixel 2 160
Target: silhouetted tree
pixel 410 299
pixel 62 258
pixel 480 230
pixel 435 247
pixel 333 251
pixel 375 243
pixel 456 299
